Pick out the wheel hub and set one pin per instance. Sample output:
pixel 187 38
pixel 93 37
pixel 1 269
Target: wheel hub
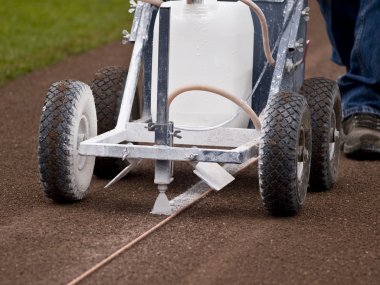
pixel 303 158
pixel 83 134
pixel 333 141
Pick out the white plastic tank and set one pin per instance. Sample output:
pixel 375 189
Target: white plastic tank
pixel 210 44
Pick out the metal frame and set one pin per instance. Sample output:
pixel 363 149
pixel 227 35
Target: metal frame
pixel 287 28
pixel 160 141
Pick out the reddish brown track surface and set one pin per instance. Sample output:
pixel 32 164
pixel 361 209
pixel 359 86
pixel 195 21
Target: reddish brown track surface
pixel 227 238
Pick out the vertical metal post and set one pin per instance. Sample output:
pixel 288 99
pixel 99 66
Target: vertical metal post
pixel 161 135
pixel 147 74
pixel 163 173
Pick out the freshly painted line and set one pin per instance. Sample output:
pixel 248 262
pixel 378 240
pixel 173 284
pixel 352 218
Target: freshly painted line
pixel 179 204
pixel 189 196
pixel 201 187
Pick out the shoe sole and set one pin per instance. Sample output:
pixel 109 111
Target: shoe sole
pixel 362 140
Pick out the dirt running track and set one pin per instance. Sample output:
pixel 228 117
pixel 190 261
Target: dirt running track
pixel 227 238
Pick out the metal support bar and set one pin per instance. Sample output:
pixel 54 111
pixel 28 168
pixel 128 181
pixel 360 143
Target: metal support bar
pixel 163 172
pixel 110 137
pixel 147 74
pixel 298 43
pixel 136 21
pixel 156 152
pixel 161 131
pixel 138 133
pixel 134 68
pixel 124 172
pixel 281 80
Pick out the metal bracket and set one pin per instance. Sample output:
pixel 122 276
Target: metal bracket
pixel 153 126
pixel 124 172
pixel 290 65
pixel 126 37
pixel 176 134
pixel 213 174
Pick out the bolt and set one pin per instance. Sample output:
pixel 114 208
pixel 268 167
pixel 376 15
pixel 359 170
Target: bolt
pixel 299 45
pixel 126 37
pixel 289 65
pixel 176 134
pixel 125 154
pixel 306 13
pixel 192 156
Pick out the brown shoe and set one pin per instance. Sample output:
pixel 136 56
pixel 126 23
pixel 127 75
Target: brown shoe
pixel 362 133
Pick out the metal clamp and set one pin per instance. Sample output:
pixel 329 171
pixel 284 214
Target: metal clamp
pixel 176 134
pixel 126 152
pixel 290 65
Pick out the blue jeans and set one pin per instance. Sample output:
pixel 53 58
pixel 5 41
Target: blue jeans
pixel 353 27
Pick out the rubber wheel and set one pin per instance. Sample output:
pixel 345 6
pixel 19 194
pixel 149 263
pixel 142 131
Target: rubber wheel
pixel 108 87
pixel 285 153
pixel 323 97
pixel 68 118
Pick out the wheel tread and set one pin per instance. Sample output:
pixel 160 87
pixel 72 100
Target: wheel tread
pixel 55 146
pixel 277 151
pixel 319 93
pixel 107 88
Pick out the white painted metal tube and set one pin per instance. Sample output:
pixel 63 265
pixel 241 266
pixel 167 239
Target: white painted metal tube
pixel 134 68
pixel 138 133
pixel 241 103
pixel 136 21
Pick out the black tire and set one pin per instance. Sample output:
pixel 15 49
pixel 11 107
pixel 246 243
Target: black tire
pixel 108 87
pixel 285 153
pixel 323 97
pixel 68 118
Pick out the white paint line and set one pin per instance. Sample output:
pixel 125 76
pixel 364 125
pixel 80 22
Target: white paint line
pixel 200 188
pixel 181 202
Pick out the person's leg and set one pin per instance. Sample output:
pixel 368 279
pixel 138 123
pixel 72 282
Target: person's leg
pixel 353 28
pixel 360 87
pixel 340 17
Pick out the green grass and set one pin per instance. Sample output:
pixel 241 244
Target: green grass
pixel 36 33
